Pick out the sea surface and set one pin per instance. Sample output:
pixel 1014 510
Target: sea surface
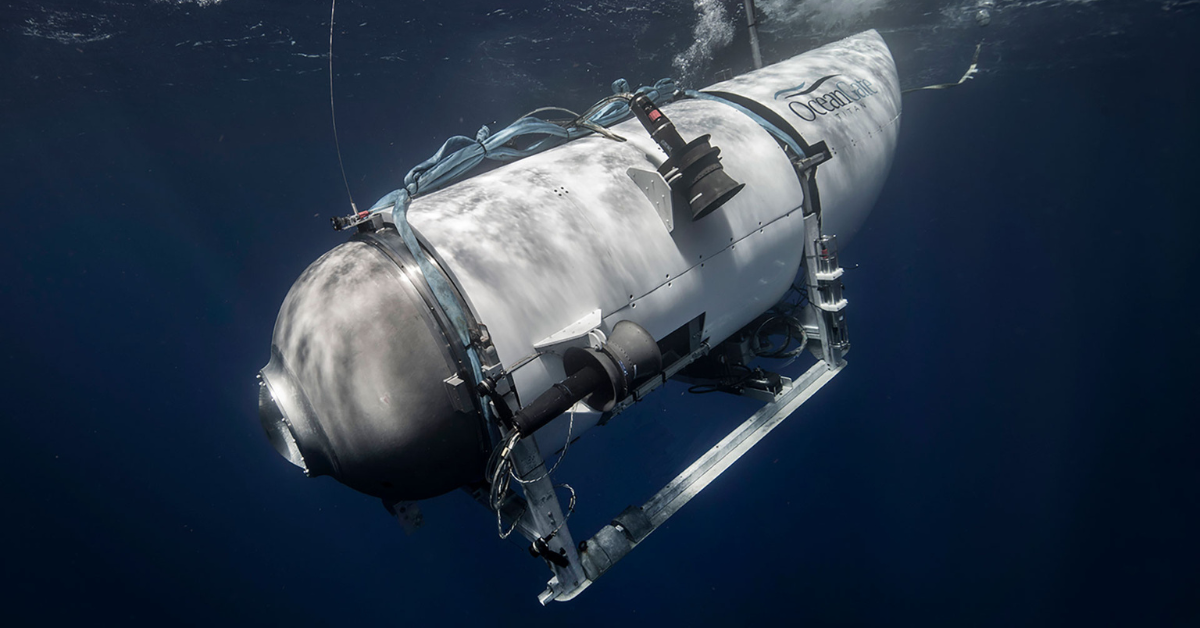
pixel 1013 443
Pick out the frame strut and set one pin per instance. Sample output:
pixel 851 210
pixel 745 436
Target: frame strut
pixel 630 528
pixel 701 473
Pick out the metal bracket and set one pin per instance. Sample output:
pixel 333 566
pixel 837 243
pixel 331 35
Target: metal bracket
pixel 656 189
pixel 581 330
pixel 461 395
pixel 806 172
pixel 823 277
pixel 804 164
pixel 408 514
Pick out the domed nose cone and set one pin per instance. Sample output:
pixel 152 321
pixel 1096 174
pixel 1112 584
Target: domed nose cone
pixel 356 383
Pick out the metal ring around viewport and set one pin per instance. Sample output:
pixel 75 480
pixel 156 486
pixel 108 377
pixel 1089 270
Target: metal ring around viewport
pixel 388 242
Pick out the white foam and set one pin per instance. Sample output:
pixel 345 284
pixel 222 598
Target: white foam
pixel 820 15
pixel 713 31
pixel 68 28
pixel 199 3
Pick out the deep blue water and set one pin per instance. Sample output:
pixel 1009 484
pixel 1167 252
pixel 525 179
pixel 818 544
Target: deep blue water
pixel 1013 443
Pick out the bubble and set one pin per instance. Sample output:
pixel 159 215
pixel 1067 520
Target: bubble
pixel 713 31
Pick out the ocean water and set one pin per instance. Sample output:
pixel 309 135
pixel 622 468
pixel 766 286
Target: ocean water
pixel 1013 442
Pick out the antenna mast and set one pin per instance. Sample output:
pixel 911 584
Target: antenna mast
pixel 752 22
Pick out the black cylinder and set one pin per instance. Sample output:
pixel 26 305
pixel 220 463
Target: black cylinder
pixel 701 177
pixel 599 378
pixel 660 127
pixel 558 400
pixel 694 168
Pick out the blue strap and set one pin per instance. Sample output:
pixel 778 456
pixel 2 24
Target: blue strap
pixel 438 284
pixel 459 155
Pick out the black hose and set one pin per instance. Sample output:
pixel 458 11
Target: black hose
pixel 558 399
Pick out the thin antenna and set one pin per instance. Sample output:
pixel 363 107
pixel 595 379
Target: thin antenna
pixel 333 112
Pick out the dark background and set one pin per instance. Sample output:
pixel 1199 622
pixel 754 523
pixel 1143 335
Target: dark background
pixel 1013 443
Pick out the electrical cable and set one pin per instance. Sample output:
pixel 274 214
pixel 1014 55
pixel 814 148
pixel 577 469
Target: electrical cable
pixel 501 471
pixel 725 384
pixel 763 348
pixel 566 446
pixel 566 515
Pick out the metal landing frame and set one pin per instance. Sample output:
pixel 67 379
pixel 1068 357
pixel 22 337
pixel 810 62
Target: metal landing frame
pixel 615 540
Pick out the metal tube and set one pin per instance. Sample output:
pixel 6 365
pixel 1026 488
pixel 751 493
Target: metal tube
pixel 752 22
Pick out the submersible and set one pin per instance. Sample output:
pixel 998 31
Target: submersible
pixel 460 333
